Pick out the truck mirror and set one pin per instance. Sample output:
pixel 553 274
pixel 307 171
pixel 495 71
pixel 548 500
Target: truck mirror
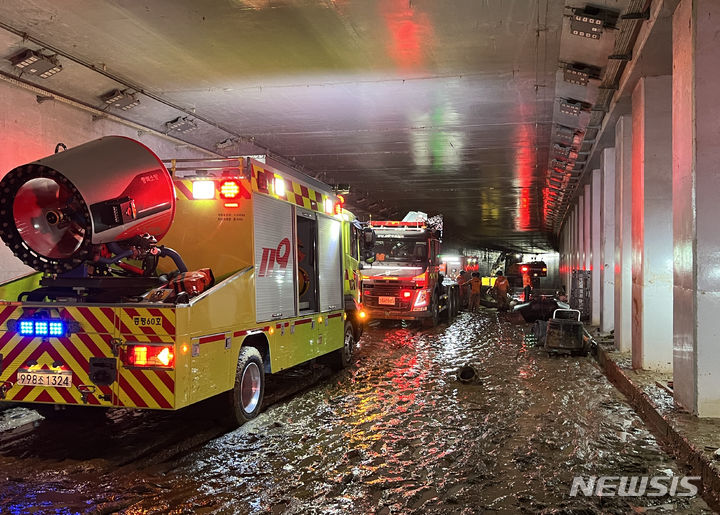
pixel 368 237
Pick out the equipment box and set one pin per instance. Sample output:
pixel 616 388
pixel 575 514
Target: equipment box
pixel 564 333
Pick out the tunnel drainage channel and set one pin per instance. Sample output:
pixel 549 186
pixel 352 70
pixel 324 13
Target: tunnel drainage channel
pixel 663 430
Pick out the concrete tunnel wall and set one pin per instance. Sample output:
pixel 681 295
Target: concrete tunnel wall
pixel 662 188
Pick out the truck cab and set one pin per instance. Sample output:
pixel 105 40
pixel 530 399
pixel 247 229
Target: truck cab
pixel 404 282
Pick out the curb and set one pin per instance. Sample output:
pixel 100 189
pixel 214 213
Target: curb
pixel 679 446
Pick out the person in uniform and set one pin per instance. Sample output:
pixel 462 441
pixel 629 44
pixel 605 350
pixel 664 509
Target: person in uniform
pixel 527 286
pixel 462 280
pixel 475 291
pixel 501 290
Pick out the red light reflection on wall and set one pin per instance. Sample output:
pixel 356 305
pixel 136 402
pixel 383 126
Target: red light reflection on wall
pixel 409 32
pixel 525 159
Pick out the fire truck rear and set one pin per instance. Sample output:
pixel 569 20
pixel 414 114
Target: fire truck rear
pixel 258 272
pixel 404 282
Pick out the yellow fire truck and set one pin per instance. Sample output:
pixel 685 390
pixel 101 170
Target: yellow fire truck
pixel 257 272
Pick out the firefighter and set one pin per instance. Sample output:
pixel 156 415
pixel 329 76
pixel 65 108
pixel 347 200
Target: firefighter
pixel 475 290
pixel 462 280
pixel 527 286
pixel 501 290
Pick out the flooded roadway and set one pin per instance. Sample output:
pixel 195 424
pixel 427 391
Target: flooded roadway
pixel 394 433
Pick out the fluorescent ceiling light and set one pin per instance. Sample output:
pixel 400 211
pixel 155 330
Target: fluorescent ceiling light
pixel 35 63
pixel 181 124
pixel 120 99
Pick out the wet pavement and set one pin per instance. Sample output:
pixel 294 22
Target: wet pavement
pixel 394 433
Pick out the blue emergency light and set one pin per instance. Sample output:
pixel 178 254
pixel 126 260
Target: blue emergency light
pixel 41 328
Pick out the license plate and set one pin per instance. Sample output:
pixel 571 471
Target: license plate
pixel 61 379
pixel 386 301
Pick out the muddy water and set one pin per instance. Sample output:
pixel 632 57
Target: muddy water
pixel 395 433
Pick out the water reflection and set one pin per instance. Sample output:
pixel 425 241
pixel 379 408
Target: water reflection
pixel 395 433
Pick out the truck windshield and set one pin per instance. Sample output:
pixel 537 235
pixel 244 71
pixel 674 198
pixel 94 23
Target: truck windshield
pixel 401 251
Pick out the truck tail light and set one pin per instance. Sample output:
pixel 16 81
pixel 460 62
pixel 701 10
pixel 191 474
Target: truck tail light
pixel 156 356
pixel 229 190
pixel 406 294
pixel 203 190
pixel 524 269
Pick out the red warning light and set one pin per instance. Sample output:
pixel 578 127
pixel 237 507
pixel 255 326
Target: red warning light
pixel 339 205
pixel 229 189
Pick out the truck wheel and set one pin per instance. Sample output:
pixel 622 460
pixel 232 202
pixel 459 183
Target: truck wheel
pixel 341 358
pixel 450 308
pixel 247 395
pixel 433 320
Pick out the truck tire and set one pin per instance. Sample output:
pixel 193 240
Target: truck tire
pixel 246 397
pixel 450 307
pixel 341 358
pixel 433 320
pixel 456 294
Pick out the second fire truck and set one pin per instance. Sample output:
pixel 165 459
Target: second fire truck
pixel 404 282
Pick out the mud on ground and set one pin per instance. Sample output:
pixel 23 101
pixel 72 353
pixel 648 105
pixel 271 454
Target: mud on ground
pixel 394 433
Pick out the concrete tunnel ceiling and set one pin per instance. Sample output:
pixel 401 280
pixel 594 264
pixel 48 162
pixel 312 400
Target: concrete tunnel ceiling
pixel 444 106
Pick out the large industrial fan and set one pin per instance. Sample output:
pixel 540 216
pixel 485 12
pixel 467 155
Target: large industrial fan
pixel 77 212
pixel 56 213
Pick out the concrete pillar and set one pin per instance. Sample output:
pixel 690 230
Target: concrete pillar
pixel 587 223
pixel 623 233
pixel 581 233
pixel 607 250
pixel 569 227
pixel 573 249
pixel 573 240
pixel 696 208
pixel 652 243
pixel 596 232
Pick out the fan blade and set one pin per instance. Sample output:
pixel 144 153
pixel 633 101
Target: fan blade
pixel 42 211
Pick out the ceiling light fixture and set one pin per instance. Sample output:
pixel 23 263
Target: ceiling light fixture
pixel 569 136
pixel 36 63
pixel 576 75
pixel 561 150
pixel 181 124
pixel 571 107
pixel 562 166
pixel 225 144
pixel 342 189
pixel 586 24
pixel 120 99
pixel 564 133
